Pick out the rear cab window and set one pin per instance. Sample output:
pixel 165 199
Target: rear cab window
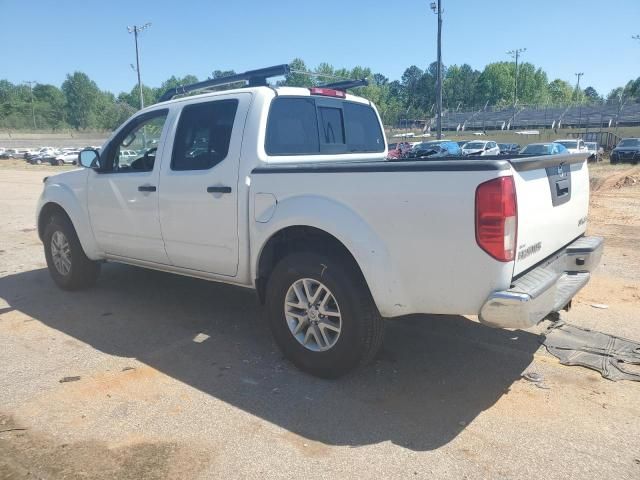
pixel 320 126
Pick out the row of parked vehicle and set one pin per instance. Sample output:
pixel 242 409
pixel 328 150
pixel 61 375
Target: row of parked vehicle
pixel 38 156
pixel 449 148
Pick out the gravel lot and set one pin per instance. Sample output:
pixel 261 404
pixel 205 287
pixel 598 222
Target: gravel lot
pixel 150 375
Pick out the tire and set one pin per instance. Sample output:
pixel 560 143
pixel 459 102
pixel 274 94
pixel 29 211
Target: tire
pixel 361 326
pixel 60 163
pixel 78 271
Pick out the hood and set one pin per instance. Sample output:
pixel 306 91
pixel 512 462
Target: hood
pixel 471 151
pixel 626 149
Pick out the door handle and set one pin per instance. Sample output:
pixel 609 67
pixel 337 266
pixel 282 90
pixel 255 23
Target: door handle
pixel 147 188
pixel 219 189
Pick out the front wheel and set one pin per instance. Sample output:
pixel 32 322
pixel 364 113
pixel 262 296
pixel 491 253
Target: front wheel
pixel 68 265
pixel 322 315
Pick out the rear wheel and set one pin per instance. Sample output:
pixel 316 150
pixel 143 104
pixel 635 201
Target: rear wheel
pixel 322 315
pixel 68 265
pixel 60 163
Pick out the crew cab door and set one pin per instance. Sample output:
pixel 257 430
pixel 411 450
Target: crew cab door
pixel 199 185
pixel 123 192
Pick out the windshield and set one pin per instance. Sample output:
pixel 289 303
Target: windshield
pixel 591 145
pixel 474 145
pixel 537 149
pixel 629 142
pixel 568 144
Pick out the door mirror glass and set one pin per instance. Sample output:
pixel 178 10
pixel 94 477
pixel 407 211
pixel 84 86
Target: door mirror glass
pixel 89 158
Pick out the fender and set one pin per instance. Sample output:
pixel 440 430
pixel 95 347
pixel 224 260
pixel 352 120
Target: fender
pixel 346 225
pixel 71 197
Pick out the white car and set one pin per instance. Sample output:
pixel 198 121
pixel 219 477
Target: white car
pixel 66 157
pixel 481 147
pixel 573 145
pixel 287 190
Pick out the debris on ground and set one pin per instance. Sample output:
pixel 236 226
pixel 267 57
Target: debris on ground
pixel 627 181
pixel 614 357
pixel 536 378
pixel 69 379
pixel 600 305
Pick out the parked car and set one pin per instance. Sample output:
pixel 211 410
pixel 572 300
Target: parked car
pixel 509 148
pixel 549 148
pixel 435 149
pixel 481 147
pixel 37 159
pixel 69 157
pixel 595 151
pixel 627 150
pixel 573 145
pixel 40 151
pixel 293 197
pixel 401 150
pixel 9 153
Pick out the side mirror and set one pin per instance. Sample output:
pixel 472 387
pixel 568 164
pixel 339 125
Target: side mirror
pixel 89 158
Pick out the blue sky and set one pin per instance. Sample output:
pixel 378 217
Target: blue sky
pixel 45 40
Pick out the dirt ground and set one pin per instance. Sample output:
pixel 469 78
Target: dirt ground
pixel 151 376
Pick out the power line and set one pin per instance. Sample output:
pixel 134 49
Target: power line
pixel 136 30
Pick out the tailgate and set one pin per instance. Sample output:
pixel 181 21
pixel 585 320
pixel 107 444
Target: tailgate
pixel 553 202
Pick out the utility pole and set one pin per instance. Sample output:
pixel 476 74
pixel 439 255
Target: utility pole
pixel 31 83
pixel 437 9
pixel 136 30
pixel 516 54
pixel 579 74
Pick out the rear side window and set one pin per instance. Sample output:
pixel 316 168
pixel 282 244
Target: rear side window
pixel 363 129
pixel 292 127
pixel 310 126
pixel 203 135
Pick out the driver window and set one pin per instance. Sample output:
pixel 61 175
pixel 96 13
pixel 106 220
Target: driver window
pixel 136 146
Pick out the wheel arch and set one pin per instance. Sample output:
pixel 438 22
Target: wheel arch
pixel 337 227
pixel 60 199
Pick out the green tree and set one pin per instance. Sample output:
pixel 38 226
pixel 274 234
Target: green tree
pixel 296 78
pixel 81 96
pixel 496 84
pixel 560 92
pixel 591 95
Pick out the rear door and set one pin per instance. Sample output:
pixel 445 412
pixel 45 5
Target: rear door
pixel 553 202
pixel 199 185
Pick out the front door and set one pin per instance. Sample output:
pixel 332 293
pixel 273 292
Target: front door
pixel 123 193
pixel 199 185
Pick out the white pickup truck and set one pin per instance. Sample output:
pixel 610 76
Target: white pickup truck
pixel 288 191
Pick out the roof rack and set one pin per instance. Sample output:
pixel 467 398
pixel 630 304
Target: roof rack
pixel 254 78
pixel 345 84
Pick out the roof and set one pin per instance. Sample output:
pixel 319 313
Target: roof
pixel 289 91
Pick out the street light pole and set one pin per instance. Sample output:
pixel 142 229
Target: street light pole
pixel 136 30
pixel 33 111
pixel 516 54
pixel 437 9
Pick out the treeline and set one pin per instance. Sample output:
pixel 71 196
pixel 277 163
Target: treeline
pixel 80 104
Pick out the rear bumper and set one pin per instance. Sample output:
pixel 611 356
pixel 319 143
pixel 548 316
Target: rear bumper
pixel 547 288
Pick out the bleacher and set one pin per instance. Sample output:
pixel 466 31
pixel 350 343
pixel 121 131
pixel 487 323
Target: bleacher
pixel 535 117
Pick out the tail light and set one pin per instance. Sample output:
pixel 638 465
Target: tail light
pixel 497 218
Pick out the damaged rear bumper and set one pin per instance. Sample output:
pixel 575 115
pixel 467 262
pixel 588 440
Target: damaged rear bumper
pixel 547 288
